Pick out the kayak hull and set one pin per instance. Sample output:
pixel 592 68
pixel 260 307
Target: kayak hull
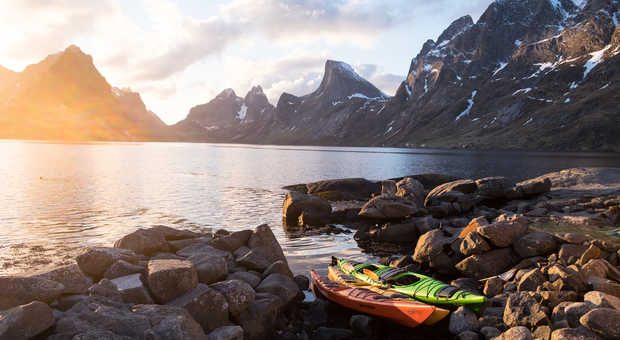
pixel 406 312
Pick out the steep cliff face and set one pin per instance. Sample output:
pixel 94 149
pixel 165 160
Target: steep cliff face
pixel 65 97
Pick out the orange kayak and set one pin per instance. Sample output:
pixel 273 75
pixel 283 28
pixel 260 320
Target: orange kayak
pixel 405 311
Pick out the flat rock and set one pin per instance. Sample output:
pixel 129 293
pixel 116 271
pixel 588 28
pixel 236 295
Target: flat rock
pixel 210 268
pixel 388 207
pixel 122 268
pixel 533 187
pixel 602 300
pixel 503 234
pixel 227 333
pixel 206 305
pixel 603 321
pixel 279 285
pixel 169 279
pixel 488 264
pixel 535 244
pixel 492 187
pixel 233 241
pixel 297 203
pixel 16 291
pixel 96 260
pixel 353 188
pixel 26 321
pixel 264 242
pixel 132 289
pixel 238 294
pixel 71 277
pixel 144 241
pixel 252 279
pixel 253 261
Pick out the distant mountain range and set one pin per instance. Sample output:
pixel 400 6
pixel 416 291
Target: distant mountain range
pixel 530 74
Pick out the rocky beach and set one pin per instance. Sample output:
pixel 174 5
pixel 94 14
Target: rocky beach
pixel 544 251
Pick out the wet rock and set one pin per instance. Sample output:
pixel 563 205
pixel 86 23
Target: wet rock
pixel 279 285
pixel 258 320
pixel 71 277
pixel 132 289
pixel 26 321
pixel 95 261
pixel 353 188
pixel 209 268
pixel 412 190
pixel 297 203
pixel 388 207
pixel 302 281
pixel 206 305
pixel 253 261
pixel 489 332
pixel 503 234
pixel 463 319
pixel 123 268
pixel 144 241
pixel 468 335
pixel 522 309
pixel 516 333
pixel 593 252
pixel 474 244
pixel 535 244
pixel 227 333
pixel 278 267
pixel 361 325
pixel 265 243
pixel 170 322
pixel 603 321
pixel 576 310
pixel 604 285
pixel 231 242
pixel 488 264
pixel 15 291
pixel 531 280
pixel 106 289
pixel 169 279
pixel 580 333
pixel 542 333
pixel 602 300
pixel 252 279
pixel 570 253
pixel 324 333
pixel 493 286
pixel 238 294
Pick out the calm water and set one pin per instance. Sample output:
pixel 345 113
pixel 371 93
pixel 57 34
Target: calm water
pixel 57 198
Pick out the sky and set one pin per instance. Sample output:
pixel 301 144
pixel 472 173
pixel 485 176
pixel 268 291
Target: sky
pixel 178 54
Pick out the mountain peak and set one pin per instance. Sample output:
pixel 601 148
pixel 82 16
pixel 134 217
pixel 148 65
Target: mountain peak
pixel 227 93
pixel 340 81
pixel 457 27
pixel 73 49
pixel 341 68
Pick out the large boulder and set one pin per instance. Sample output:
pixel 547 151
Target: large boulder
pixel 169 322
pixel 297 203
pixel 132 289
pixel 95 261
pixel 253 261
pixel 412 190
pixel 604 321
pixel 503 234
pixel 253 279
pixel 210 268
pixel 532 187
pixel 359 189
pixel 169 279
pixel 278 267
pixel 474 244
pixel 144 241
pixel 238 294
pixel 522 309
pixel 531 280
pixel 570 253
pixel 567 278
pixel 455 198
pixel 71 277
pixel 580 333
pixel 388 207
pixel 492 187
pixel 25 322
pixel 206 305
pixel 15 291
pixel 535 244
pixel 435 249
pixel 264 242
pixel 258 320
pixel 602 300
pixel 123 268
pixel 401 233
pixel 489 264
pixel 233 241
pixel 463 319
pixel 279 285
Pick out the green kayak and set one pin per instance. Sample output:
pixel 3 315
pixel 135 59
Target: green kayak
pixel 420 287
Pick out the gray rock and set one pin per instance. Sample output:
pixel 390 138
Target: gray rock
pixel 431 248
pixel 570 253
pixel 302 281
pixel 95 261
pixel 574 311
pixel 204 249
pixel 401 233
pixel 361 325
pixel 388 207
pixel 265 243
pixel 144 241
pixel 412 190
pixel 535 244
pixel 26 321
pixel 254 261
pixel 231 242
pixel 227 333
pixel 572 238
pixel 16 291
pixel 516 333
pixel 553 298
pixel 132 289
pixel 488 264
pixel 169 279
pixel 531 280
pixel 522 309
pixel 169 322
pixel 532 187
pixel 252 279
pixel 602 300
pixel 279 285
pixel 278 267
pixel 493 286
pixel 297 203
pixel 580 333
pixel 258 320
pixel 388 188
pixel 238 294
pixel 71 277
pixel 353 188
pixel 123 268
pixel 603 321
pixel 489 332
pixel 106 289
pixel 474 244
pixel 210 268
pixel 503 234
pixel 64 303
pixel 492 187
pixel 571 279
pixel 604 285
pixel 206 305
pixel 462 320
pixel 468 335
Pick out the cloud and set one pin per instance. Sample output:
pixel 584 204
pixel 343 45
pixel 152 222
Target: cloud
pixel 386 82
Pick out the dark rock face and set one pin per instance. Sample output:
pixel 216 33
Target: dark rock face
pixel 15 291
pixel 25 322
pixel 206 305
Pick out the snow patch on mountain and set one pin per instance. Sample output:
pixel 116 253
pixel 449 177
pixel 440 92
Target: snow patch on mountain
pixel 501 66
pixel 596 59
pixel 242 112
pixel 524 91
pixel 470 104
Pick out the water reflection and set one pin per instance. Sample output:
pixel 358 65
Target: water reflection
pixel 57 198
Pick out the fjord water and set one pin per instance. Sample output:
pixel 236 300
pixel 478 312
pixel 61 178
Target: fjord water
pixel 57 198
